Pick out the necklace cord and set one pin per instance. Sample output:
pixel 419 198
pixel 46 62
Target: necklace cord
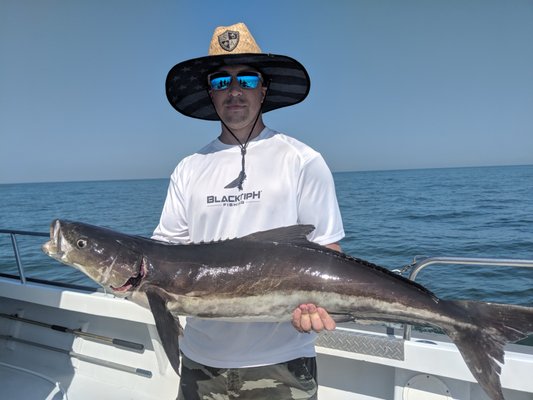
pixel 242 174
pixel 243 146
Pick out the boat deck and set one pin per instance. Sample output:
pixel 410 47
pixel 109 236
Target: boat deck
pixel 54 361
pixel 23 383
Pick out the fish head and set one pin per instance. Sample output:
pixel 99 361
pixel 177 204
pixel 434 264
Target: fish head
pixel 110 258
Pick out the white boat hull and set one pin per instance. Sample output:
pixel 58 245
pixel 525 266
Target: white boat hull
pixel 353 362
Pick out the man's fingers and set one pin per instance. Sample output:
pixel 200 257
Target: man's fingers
pixel 316 322
pixel 305 319
pixel 300 319
pixel 328 322
pixel 296 317
pixel 308 317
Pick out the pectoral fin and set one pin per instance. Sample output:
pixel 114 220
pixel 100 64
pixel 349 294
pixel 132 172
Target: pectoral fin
pixel 168 327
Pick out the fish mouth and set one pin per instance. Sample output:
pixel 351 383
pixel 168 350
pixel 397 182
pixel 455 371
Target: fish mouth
pixel 135 280
pixel 53 246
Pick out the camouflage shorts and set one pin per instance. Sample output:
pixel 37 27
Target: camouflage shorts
pixel 295 379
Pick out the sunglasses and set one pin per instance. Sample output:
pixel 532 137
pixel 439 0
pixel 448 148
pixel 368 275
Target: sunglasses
pixel 245 79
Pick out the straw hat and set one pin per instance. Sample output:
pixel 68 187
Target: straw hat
pixel 186 84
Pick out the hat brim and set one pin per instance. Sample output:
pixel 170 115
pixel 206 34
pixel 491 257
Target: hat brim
pixel 187 89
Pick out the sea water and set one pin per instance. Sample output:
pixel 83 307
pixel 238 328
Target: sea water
pixel 389 218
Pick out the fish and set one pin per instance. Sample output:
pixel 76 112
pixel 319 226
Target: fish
pixel 266 275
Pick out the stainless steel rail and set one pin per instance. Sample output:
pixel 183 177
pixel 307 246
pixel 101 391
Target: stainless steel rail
pixel 18 259
pixel 417 266
pixel 13 234
pixel 78 332
pixel 99 361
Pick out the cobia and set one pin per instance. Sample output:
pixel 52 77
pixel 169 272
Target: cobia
pixel 266 275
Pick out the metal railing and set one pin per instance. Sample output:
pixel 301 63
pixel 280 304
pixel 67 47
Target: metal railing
pixel 13 234
pixel 418 266
pixel 20 266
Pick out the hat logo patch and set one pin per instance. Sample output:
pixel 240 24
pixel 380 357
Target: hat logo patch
pixel 229 40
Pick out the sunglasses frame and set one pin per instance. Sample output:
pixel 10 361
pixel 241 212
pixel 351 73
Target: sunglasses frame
pixel 231 77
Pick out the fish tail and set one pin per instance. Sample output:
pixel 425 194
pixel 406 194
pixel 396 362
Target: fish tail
pixel 481 335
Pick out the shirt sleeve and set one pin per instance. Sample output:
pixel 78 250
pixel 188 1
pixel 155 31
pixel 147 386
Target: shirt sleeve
pixel 173 226
pixel 317 202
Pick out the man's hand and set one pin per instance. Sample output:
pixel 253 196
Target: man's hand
pixel 308 317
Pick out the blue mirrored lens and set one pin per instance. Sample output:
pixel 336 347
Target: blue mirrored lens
pixel 248 81
pixel 221 82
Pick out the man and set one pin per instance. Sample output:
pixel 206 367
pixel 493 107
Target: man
pixel 249 179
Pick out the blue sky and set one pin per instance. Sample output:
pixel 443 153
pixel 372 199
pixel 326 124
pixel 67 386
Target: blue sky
pixel 395 84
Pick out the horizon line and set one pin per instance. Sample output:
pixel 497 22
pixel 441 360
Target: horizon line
pixel 333 172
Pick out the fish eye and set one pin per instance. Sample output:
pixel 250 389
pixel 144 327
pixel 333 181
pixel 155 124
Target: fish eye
pixel 81 243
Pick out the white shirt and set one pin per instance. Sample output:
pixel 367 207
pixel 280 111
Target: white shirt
pixel 287 183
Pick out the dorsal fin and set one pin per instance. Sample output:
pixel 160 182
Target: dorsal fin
pixel 294 234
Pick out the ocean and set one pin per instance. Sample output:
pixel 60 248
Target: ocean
pixel 389 218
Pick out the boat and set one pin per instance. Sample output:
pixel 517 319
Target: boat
pixel 65 341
